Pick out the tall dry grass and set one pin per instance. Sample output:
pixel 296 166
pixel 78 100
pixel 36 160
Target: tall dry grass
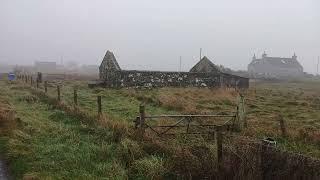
pixel 7 118
pixel 188 100
pixel 193 100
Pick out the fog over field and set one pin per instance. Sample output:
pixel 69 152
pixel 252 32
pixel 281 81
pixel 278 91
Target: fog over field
pixel 145 34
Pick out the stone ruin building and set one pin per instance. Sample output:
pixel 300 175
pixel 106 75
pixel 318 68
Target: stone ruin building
pixel 275 67
pixel 203 74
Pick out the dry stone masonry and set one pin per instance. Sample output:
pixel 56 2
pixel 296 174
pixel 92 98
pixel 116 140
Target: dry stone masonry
pixel 203 74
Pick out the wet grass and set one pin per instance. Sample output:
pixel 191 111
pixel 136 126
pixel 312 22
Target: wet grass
pixel 297 103
pixel 48 143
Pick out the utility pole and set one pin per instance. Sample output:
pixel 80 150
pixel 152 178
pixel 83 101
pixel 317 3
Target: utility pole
pixel 200 52
pixel 318 65
pixel 61 60
pixel 180 65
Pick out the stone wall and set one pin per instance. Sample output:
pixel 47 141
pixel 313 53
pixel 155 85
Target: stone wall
pixel 133 78
pixel 203 74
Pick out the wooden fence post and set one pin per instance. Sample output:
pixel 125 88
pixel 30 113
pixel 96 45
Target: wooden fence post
pixel 26 78
pixel 264 160
pixel 75 97
pixel 45 86
pixel 31 81
pixel 39 77
pixel 142 118
pixel 99 105
pixel 58 90
pixel 240 121
pixel 219 151
pixel 137 122
pixel 37 83
pixel 236 120
pixel 244 119
pixel 282 126
pixel 219 144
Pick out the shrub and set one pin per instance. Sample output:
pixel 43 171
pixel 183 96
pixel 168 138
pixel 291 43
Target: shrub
pixel 197 161
pixel 151 167
pixel 129 151
pixel 29 98
pixel 8 121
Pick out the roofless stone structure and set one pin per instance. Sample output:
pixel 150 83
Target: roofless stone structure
pixel 205 65
pixel 109 64
pixel 203 74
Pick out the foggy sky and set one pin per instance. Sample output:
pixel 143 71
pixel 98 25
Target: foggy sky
pixel 152 34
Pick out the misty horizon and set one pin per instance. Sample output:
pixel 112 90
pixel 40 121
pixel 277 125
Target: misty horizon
pixel 153 35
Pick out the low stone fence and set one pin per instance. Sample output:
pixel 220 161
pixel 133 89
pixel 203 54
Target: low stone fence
pixel 133 78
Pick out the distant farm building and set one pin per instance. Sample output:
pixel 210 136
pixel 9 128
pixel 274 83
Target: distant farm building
pixel 203 74
pixel 45 67
pixel 275 66
pixel 6 68
pixel 89 69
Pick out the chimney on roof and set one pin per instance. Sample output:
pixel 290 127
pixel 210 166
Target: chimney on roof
pixel 254 56
pixel 264 54
pixel 294 56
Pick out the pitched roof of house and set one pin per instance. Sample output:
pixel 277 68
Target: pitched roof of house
pixel 204 65
pixel 109 61
pixel 278 61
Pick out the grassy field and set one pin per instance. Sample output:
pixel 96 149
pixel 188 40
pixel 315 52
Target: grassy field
pixel 47 142
pixel 298 103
